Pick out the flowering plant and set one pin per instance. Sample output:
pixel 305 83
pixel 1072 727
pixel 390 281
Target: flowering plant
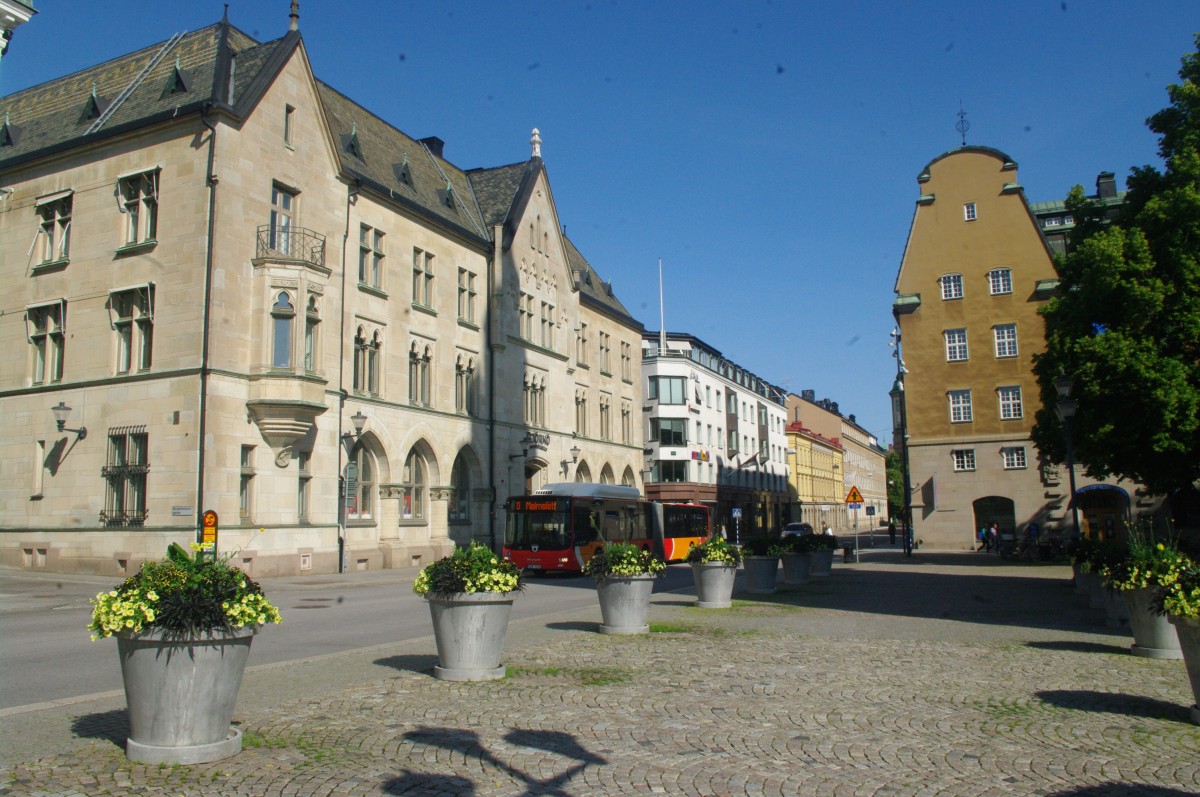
pixel 184 596
pixel 472 569
pixel 623 559
pixel 714 549
pixel 1181 597
pixel 1146 563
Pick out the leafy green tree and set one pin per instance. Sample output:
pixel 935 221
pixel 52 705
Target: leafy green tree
pixel 895 484
pixel 1126 323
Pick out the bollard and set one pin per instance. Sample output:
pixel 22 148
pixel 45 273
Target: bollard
pixel 847 552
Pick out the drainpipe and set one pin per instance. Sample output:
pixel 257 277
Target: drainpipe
pixel 351 195
pixel 497 264
pixel 211 180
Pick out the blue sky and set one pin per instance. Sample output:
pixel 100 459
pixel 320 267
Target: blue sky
pixel 767 151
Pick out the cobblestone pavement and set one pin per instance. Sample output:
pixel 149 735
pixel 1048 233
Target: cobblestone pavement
pixel 939 675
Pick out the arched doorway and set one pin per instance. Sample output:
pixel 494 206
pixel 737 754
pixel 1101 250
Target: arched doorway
pixel 994 509
pixel 1103 511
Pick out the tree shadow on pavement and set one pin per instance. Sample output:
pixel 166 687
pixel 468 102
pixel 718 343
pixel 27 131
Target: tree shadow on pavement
pixel 1113 703
pixel 1079 647
pixel 1121 790
pixel 573 626
pixel 468 744
pixel 112 726
pixel 415 662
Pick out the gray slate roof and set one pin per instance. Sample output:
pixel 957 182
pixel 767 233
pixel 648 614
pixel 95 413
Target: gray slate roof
pixel 136 91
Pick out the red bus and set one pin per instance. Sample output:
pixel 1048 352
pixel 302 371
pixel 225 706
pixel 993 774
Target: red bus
pixel 560 526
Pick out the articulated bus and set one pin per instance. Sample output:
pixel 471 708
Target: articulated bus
pixel 560 526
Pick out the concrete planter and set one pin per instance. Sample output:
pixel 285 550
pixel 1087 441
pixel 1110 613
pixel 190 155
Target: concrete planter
pixel 181 694
pixel 1153 635
pixel 624 603
pixel 797 568
pixel 1189 643
pixel 1078 580
pixel 714 584
pixel 1116 612
pixel 822 563
pixel 1093 589
pixel 761 573
pixel 469 630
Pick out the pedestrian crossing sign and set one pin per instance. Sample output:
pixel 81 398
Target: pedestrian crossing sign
pixel 854 496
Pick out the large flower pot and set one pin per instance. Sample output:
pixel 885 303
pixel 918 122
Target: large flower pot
pixel 714 584
pixel 822 563
pixel 469 630
pixel 1189 643
pixel 1116 612
pixel 1077 579
pixel 1094 586
pixel 761 573
pixel 1153 635
pixel 181 693
pixel 624 603
pixel 796 568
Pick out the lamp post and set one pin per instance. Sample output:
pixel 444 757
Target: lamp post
pixel 1065 409
pixel 900 435
pixel 349 482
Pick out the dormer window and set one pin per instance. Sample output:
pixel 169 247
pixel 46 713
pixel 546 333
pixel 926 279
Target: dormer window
pixel 403 172
pixel 351 144
pixel 95 106
pixel 180 81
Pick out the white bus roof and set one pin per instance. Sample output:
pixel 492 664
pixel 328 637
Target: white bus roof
pixel 590 490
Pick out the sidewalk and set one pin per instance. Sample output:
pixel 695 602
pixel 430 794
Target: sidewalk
pixel 946 674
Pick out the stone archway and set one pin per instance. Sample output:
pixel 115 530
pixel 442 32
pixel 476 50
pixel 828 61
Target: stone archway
pixel 994 509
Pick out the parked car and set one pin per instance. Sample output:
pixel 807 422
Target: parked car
pixel 796 529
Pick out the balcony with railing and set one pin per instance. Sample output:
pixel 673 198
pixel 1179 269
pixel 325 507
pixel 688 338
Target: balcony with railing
pixel 290 245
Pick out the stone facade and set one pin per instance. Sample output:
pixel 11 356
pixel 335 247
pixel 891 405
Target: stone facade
pixel 233 267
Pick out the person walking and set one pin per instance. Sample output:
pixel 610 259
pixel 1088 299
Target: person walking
pixel 994 537
pixel 983 539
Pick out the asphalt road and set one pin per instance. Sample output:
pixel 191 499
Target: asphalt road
pixel 46 653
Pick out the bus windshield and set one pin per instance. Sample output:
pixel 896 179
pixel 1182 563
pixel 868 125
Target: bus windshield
pixel 544 527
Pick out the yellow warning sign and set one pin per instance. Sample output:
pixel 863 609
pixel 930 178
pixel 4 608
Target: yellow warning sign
pixel 854 496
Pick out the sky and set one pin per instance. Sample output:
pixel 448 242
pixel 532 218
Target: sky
pixel 766 151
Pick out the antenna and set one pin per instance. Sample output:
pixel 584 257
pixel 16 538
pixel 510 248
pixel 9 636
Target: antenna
pixel 962 125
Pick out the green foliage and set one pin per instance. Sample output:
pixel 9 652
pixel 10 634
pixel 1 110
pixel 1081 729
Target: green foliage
pixel 623 559
pixel 805 543
pixel 184 596
pixel 1126 325
pixel 715 549
pixel 895 483
pixel 1146 562
pixel 475 568
pixel 1182 597
pixel 762 545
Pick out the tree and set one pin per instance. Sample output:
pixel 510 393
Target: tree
pixel 1126 323
pixel 895 484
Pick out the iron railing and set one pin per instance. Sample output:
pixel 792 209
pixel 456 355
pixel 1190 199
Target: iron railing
pixel 290 243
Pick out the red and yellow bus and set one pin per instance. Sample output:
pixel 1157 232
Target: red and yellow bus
pixel 677 527
pixel 560 526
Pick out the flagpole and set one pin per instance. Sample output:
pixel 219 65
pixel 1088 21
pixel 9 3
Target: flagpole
pixel 662 324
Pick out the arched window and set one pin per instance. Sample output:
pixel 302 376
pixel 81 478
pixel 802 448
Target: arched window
pixel 362 498
pixel 282 315
pixel 460 485
pixel 412 500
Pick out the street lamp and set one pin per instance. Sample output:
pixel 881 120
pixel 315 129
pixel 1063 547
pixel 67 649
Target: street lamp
pixel 1065 409
pixel 574 458
pixel 900 434
pixel 61 413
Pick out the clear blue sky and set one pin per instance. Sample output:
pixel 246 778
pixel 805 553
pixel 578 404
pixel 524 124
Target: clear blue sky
pixel 766 150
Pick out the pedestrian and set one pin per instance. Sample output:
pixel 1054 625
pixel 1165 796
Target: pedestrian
pixel 983 539
pixel 828 531
pixel 994 537
pixel 892 531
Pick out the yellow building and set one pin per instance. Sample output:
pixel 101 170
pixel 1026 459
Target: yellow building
pixel 816 465
pixel 974 273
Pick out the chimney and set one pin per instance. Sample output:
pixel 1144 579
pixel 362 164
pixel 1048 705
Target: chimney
pixel 1106 185
pixel 434 144
pixel 808 395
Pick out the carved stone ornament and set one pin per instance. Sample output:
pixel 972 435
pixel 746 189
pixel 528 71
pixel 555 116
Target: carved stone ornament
pixel 1051 474
pixel 283 457
pixel 440 493
pixel 391 490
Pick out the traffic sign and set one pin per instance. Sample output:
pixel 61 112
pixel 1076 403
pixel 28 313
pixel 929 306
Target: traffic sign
pixel 736 512
pixel 854 496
